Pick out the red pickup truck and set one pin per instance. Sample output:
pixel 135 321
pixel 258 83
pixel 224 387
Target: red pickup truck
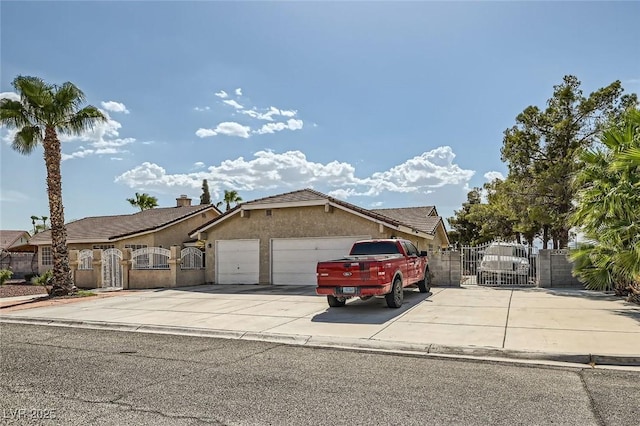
pixel 374 268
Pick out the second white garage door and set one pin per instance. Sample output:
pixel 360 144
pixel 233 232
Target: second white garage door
pixel 237 261
pixel 293 260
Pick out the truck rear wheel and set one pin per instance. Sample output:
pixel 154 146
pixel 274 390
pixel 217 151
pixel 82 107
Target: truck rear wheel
pixel 425 284
pixel 396 297
pixel 336 302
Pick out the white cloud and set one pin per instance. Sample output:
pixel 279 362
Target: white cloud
pixel 288 113
pixel 198 165
pixel 201 109
pixel 115 107
pixel 222 94
pixel 493 175
pixel 228 128
pixel 274 172
pixel 10 95
pixel 117 158
pixel 103 138
pixel 238 91
pixel 205 133
pixel 291 124
pixel 233 104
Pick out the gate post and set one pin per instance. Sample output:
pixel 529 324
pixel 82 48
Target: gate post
pixel 73 264
pixel 174 265
pixel 96 264
pixel 126 263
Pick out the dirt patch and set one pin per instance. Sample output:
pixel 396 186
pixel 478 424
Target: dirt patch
pixel 12 290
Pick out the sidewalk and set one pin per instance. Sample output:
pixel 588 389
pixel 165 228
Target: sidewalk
pixel 553 325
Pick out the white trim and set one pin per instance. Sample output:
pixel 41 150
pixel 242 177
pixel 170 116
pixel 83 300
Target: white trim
pixel 260 206
pixel 211 225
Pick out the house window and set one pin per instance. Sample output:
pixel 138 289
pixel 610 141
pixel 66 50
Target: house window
pixel 47 256
pixel 103 246
pixel 268 211
pixel 135 246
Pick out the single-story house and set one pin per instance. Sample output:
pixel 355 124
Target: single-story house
pixel 279 239
pixel 157 227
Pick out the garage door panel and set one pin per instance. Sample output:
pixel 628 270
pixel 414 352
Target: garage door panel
pixel 237 261
pixel 294 260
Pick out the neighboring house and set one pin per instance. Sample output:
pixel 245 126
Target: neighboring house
pixel 157 227
pixel 279 239
pixel 15 241
pixel 17 254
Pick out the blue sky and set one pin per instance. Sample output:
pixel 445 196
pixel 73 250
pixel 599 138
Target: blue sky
pixel 379 104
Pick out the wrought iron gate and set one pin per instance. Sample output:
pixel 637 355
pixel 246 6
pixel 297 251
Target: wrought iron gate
pixel 111 268
pixel 499 263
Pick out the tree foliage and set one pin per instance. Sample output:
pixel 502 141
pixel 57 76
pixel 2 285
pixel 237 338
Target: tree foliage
pixel 608 209
pixel 143 201
pixel 205 198
pixel 229 198
pixel 43 111
pixel 541 151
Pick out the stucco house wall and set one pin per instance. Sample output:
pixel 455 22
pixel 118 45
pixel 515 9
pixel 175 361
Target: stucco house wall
pixel 295 222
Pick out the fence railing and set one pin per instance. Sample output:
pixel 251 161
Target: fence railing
pixel 150 258
pixel 191 258
pixel 85 260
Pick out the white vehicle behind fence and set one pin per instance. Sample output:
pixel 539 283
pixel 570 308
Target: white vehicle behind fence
pixel 504 264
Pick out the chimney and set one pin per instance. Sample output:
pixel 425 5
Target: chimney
pixel 183 201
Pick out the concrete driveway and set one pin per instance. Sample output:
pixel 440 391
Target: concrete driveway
pixel 567 325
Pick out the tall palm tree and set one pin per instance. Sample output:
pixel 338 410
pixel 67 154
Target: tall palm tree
pixel 608 211
pixel 230 197
pixel 143 201
pixel 43 111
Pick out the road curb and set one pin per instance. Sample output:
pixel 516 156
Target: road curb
pixel 345 343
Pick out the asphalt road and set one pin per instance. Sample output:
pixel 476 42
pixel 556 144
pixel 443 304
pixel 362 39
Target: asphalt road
pixel 71 376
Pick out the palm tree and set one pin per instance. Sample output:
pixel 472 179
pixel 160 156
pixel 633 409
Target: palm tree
pixel 143 201
pixel 608 211
pixel 42 111
pixel 229 197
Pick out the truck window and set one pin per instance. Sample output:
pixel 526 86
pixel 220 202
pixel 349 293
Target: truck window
pixel 375 247
pixel 410 248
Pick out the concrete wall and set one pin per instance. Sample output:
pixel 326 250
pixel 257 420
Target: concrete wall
pixel 20 264
pixel 446 268
pixel 295 222
pixel 554 270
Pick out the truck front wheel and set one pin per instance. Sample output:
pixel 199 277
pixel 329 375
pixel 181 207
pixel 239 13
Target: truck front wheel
pixel 336 302
pixel 396 297
pixel 425 284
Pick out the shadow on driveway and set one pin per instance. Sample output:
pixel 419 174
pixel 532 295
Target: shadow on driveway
pixel 372 311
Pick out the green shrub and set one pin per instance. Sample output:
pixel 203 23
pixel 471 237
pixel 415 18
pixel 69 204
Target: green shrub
pixel 43 279
pixel 5 274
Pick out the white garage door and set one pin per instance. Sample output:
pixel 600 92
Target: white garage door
pixel 293 260
pixel 237 261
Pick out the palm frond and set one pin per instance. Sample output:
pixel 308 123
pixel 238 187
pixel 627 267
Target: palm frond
pixel 13 115
pixel 82 120
pixel 68 98
pixel 34 93
pixel 26 139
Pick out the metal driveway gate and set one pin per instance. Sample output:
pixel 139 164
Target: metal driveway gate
pixel 111 268
pixel 499 263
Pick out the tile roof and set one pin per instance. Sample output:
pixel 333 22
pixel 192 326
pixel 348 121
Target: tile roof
pixel 8 238
pixel 107 228
pixel 418 218
pixel 423 219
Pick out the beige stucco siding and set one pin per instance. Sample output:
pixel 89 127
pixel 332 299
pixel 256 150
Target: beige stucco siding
pixel 294 222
